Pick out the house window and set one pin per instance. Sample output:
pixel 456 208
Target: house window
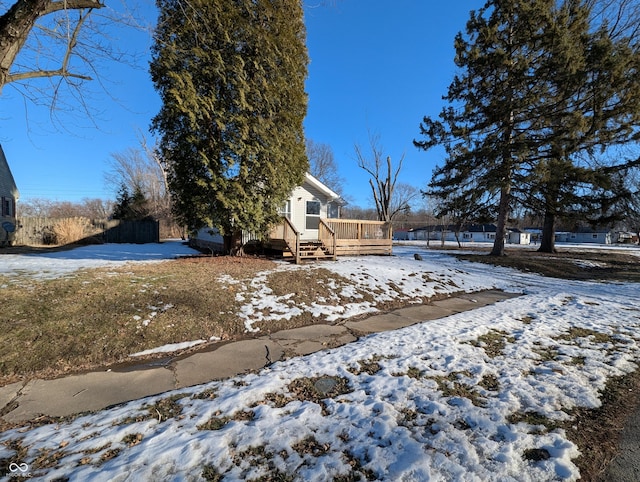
pixel 6 206
pixel 285 210
pixel 594 236
pixel 334 210
pixel 313 215
pixel 491 236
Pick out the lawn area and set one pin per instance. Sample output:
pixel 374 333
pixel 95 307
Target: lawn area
pixel 97 317
pixel 533 388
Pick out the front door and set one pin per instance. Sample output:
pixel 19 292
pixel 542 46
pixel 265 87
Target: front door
pixel 312 220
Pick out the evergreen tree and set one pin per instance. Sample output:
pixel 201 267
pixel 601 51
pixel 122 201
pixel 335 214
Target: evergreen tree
pixel 123 201
pixel 533 116
pixel 231 78
pixel 483 129
pixel 131 207
pixel 592 104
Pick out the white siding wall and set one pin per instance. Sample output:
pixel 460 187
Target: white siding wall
pixel 299 198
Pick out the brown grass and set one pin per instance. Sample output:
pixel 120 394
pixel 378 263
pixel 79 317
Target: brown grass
pixel 98 317
pixel 565 264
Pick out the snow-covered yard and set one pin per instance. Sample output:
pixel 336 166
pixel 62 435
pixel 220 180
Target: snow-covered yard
pixel 474 396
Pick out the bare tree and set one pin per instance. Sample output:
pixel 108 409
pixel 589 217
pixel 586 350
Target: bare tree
pixel 322 165
pixel 383 179
pixel 49 49
pixel 46 208
pixel 140 170
pixel 403 196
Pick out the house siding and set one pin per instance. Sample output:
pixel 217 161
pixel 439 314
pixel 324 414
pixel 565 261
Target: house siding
pixel 8 197
pixel 299 198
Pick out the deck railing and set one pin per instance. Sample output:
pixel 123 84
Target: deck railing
pixel 289 234
pixel 356 236
pixel 339 237
pixel 327 236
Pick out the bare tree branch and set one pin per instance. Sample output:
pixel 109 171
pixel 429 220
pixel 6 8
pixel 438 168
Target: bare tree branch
pixel 382 186
pixel 50 49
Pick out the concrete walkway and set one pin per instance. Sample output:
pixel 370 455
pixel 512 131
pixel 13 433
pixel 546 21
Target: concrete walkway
pixel 97 390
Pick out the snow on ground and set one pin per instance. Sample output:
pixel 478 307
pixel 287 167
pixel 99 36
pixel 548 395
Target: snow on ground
pixel 471 397
pixel 59 263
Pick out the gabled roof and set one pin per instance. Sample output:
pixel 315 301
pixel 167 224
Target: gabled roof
pixel 324 189
pixel 7 183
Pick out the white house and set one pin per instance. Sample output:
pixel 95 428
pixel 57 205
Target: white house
pixel 8 200
pixel 304 208
pixel 310 202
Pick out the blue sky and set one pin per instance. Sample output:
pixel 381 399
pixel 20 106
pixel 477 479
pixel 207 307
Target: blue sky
pixel 376 66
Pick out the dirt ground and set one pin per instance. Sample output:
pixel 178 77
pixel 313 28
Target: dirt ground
pixel 574 263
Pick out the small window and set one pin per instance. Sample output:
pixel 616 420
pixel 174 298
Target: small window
pixel 334 210
pixel 594 236
pixel 313 208
pixel 6 206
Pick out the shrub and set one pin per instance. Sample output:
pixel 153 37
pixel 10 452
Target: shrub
pixel 70 230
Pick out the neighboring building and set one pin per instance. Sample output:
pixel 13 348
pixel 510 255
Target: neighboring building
pixel 586 235
pixel 580 235
pixel 8 202
pixel 469 233
pixel 515 236
pixel 400 234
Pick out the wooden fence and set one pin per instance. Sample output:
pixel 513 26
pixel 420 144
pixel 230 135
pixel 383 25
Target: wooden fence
pixel 53 231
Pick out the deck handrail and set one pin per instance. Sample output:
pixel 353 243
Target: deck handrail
pixel 327 236
pixel 360 229
pixel 286 231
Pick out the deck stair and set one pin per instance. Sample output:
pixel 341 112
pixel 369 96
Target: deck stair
pixel 336 237
pixel 314 250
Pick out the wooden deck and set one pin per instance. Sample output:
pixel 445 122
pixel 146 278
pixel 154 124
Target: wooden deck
pixel 336 237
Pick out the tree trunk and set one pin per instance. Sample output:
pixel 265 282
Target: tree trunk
pixel 503 215
pixel 233 243
pixel 548 240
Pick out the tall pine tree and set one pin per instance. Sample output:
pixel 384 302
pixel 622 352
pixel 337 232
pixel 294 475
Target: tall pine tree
pixel 231 78
pixel 592 105
pixel 483 129
pixel 542 98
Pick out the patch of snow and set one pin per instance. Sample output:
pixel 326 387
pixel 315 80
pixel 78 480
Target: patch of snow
pixel 56 264
pixel 171 347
